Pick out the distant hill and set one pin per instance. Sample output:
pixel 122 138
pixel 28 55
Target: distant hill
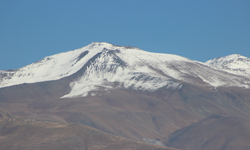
pixel 214 132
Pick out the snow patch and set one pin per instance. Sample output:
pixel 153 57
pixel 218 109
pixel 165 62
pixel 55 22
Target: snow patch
pixel 153 141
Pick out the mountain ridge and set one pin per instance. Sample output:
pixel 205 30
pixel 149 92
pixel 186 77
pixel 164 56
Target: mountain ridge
pixel 105 66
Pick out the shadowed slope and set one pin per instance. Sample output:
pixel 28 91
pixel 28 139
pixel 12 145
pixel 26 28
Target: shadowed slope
pixel 214 132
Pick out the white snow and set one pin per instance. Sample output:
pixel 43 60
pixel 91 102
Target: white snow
pixel 139 77
pixel 235 64
pixel 52 67
pixel 153 141
pixel 129 68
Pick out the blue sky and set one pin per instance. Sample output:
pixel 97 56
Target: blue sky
pixel 199 30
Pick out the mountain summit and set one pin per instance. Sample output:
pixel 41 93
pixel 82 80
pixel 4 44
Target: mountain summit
pixel 235 63
pixel 101 66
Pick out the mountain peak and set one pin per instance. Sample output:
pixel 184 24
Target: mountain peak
pixel 109 46
pixel 232 57
pixel 235 63
pixel 100 44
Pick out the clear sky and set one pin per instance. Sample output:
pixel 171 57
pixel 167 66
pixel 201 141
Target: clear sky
pixel 196 29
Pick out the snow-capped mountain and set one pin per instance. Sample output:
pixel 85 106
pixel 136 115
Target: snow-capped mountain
pixel 235 63
pixel 102 66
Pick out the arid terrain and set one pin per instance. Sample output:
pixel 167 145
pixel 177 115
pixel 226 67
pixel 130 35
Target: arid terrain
pixel 29 134
pixel 135 115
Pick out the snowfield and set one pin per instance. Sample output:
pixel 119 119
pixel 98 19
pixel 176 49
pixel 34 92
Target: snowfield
pixel 108 66
pixel 235 64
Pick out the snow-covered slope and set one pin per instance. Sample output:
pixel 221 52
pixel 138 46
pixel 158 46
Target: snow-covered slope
pixel 50 68
pixel 235 63
pixel 104 66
